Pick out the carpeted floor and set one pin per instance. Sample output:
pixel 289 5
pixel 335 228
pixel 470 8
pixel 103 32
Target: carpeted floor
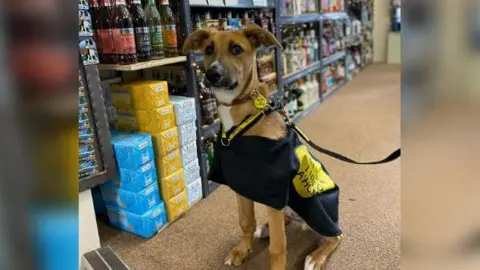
pixel 361 120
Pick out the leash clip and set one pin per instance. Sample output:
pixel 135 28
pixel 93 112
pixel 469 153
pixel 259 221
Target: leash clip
pixel 222 140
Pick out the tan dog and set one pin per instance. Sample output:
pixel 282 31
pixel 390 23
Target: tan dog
pixel 230 62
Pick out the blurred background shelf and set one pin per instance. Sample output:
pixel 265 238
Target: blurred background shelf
pixel 144 65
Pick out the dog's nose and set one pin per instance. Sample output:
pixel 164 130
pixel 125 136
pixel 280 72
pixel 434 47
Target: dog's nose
pixel 214 74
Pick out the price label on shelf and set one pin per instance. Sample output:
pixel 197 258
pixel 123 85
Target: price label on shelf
pixel 216 2
pixel 260 3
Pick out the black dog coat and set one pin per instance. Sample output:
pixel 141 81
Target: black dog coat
pixel 279 173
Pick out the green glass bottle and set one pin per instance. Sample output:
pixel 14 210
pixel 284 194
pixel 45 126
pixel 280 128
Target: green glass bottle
pixel 155 27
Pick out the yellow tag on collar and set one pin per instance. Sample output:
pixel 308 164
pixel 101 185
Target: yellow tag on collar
pixel 259 100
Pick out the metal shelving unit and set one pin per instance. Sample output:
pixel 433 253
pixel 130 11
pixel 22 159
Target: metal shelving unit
pixel 98 115
pixel 285 21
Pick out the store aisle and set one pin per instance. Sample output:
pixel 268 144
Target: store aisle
pixel 362 121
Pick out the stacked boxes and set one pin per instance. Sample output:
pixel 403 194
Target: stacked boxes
pixel 133 202
pixel 185 117
pixel 142 106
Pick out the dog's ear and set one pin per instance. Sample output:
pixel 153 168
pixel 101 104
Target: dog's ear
pixel 195 40
pixel 258 36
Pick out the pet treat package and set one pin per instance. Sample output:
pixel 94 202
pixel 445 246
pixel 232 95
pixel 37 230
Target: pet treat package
pixel 132 150
pixel 165 142
pixel 135 180
pixel 191 171
pixel 135 202
pixel 184 109
pixel 144 225
pixel 188 152
pixel 145 95
pixel 150 121
pixel 172 185
pixel 168 164
pixel 176 206
pixel 187 133
pixel 194 192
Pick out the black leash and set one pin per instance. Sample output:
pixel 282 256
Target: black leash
pixel 396 154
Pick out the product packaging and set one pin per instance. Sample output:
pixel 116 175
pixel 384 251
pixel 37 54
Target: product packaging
pixel 194 192
pixel 176 206
pixel 132 150
pixel 144 225
pixel 135 180
pixel 145 95
pixel 150 121
pixel 187 133
pixel 184 109
pixel 191 171
pixel 168 163
pixel 172 185
pixel 188 153
pixel 165 142
pixel 135 202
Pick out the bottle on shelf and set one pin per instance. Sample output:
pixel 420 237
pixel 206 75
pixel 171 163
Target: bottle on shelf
pixel 142 32
pixel 105 29
pixel 315 86
pixel 305 49
pixel 271 23
pixel 208 110
pixel 124 34
pixel 155 29
pixel 314 48
pixel 301 96
pixel 210 22
pixel 222 22
pixel 309 99
pixel 291 59
pixel 169 29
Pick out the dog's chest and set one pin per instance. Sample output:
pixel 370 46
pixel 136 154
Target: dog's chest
pixel 226 116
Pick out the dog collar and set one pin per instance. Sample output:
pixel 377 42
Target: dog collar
pixel 261 103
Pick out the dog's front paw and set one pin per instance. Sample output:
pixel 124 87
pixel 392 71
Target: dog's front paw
pixel 237 256
pixel 317 264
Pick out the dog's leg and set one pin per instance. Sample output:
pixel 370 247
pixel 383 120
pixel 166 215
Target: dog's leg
pixel 316 260
pixel 278 240
pixel 246 215
pixel 263 231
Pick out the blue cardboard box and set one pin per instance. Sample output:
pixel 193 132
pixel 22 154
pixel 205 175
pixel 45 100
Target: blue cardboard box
pixel 135 180
pixel 135 202
pixel 132 150
pixel 145 225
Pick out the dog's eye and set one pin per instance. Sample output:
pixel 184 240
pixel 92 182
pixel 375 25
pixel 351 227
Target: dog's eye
pixel 236 50
pixel 209 50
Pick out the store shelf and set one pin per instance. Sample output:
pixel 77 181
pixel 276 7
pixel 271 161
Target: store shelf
pixel 92 181
pixel 212 186
pixel 335 89
pixel 333 58
pixel 289 78
pixel 144 65
pixel 301 115
pixel 296 19
pixel 239 4
pixel 335 16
